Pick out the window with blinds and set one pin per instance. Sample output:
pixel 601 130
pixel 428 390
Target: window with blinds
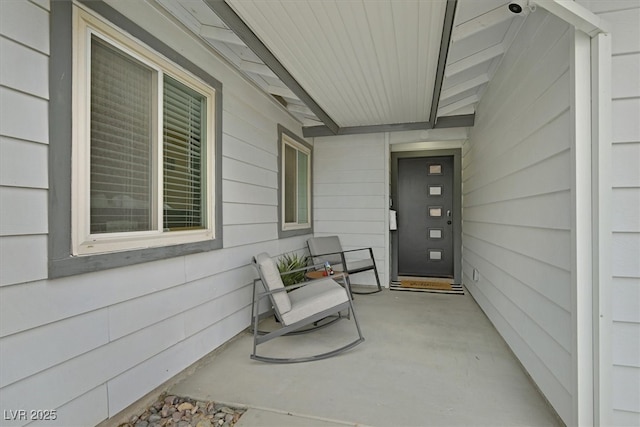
pixel 148 141
pixel 296 184
pixel 121 141
pixel 183 134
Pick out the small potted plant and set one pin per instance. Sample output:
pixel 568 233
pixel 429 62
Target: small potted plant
pixel 290 262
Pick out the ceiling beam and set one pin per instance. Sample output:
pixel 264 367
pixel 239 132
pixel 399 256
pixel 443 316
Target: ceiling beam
pixel 448 122
pixel 445 42
pixel 280 91
pixel 475 59
pixel 464 86
pixel 256 68
pixel 242 30
pixel 313 131
pixel 484 21
pixel 466 120
pixel 301 109
pixel 309 122
pixel 576 15
pixel 220 34
pixel 458 104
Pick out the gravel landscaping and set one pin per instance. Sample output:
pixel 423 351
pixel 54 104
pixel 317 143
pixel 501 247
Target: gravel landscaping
pixel 176 411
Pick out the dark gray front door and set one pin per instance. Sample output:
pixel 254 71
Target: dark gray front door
pixel 425 207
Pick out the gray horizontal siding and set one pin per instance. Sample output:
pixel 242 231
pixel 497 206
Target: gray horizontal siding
pixel 517 205
pixel 24 136
pixel 349 195
pixel 90 345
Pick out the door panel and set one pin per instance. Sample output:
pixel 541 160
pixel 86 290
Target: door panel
pixel 425 206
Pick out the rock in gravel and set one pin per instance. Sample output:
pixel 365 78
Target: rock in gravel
pixel 186 406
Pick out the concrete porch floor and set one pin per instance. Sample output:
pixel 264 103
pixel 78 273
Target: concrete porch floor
pixel 428 360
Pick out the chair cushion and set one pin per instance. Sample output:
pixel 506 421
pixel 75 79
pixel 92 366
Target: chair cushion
pixel 325 245
pixel 271 275
pixel 313 298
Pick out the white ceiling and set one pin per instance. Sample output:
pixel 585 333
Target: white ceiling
pixel 363 63
pixel 483 30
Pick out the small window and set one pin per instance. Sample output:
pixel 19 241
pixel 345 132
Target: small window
pixel 295 183
pixel 143 149
pixel 435 190
pixel 435 211
pixel 435 169
pixel 435 233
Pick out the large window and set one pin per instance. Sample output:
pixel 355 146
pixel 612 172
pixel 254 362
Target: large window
pixel 295 183
pixel 143 146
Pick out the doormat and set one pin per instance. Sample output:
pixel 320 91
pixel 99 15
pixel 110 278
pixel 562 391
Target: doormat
pixel 427 286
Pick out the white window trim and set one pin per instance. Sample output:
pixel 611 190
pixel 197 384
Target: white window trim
pixel 286 226
pixel 83 242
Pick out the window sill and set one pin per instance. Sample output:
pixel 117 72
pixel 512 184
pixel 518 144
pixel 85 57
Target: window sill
pixel 106 244
pixel 73 265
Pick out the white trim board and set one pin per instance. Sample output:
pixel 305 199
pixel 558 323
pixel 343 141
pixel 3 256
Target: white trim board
pixel 592 322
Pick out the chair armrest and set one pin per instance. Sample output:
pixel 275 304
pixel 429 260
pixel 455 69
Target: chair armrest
pixel 288 288
pixel 359 249
pixel 342 252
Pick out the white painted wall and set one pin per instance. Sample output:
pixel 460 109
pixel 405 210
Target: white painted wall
pixel 90 345
pixel 350 196
pixel 624 19
pixel 517 205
